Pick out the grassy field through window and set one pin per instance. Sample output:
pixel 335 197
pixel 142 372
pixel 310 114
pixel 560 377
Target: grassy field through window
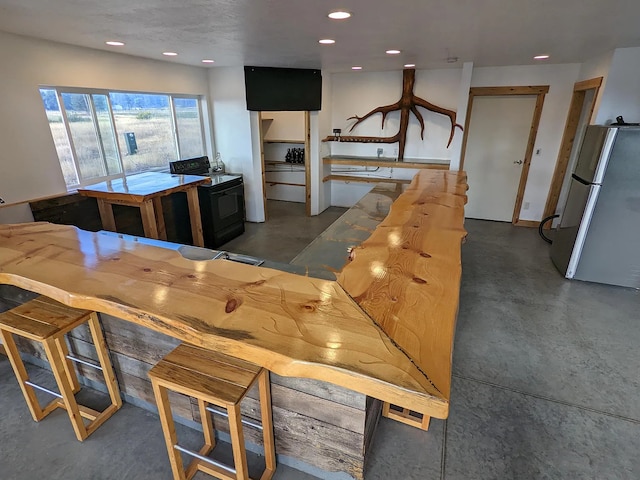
pixel 153 133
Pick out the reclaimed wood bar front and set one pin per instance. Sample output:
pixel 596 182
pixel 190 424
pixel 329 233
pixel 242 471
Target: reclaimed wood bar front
pixel 393 343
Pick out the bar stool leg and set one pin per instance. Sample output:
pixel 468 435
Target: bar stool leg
pixel 209 439
pixel 71 368
pixel 267 425
pixel 237 442
pixel 207 426
pixel 21 374
pixel 169 430
pixel 105 362
pixel 52 348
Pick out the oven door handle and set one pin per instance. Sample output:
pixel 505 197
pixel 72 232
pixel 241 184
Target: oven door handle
pixel 226 190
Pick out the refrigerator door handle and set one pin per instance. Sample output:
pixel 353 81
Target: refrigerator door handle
pixel 605 154
pixel 582 230
pixel 578 179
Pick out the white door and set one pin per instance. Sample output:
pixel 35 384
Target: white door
pixel 496 145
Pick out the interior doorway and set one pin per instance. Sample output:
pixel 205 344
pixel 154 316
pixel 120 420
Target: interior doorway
pixel 285 152
pixel 583 102
pixel 502 125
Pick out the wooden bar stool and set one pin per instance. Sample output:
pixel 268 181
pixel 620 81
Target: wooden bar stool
pixel 213 379
pixel 47 321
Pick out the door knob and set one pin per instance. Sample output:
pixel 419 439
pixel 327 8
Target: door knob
pixel 518 162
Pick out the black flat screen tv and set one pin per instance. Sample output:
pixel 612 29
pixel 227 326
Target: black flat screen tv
pixel 282 89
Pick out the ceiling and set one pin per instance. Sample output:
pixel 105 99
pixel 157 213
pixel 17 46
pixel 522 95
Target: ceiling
pixel 285 33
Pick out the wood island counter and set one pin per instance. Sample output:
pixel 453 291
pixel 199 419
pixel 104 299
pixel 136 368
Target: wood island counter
pixel 384 330
pixel 145 191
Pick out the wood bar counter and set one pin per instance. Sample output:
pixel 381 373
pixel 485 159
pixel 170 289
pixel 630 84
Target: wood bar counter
pixel 384 330
pixel 145 191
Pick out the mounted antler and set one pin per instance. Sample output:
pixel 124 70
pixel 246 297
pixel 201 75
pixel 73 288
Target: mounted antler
pixel 408 103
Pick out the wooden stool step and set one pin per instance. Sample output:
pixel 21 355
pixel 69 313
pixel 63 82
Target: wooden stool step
pixel 46 321
pixel 406 416
pixel 216 380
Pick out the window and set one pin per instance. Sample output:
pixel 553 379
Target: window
pixel 101 135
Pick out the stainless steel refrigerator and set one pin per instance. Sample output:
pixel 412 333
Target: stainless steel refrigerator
pixel 598 237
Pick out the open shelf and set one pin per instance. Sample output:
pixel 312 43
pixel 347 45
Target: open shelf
pixel 279 140
pixel 282 162
pixel 271 184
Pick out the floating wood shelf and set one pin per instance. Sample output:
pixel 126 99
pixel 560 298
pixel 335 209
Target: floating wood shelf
pixel 352 178
pixel 280 162
pixel 278 140
pixel 387 163
pixel 286 183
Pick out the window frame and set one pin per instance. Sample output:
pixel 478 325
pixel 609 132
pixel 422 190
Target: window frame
pixel 82 182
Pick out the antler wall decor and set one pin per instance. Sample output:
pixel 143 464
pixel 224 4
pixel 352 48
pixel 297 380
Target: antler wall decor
pixel 407 103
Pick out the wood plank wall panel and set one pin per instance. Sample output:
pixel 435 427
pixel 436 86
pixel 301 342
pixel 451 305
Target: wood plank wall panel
pixel 71 209
pixel 82 212
pixel 319 423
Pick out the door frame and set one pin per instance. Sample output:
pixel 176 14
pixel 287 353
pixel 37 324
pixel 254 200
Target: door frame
pixel 307 163
pixel 540 91
pixel 580 90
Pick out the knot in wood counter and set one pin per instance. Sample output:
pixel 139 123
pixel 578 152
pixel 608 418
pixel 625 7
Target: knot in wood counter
pixel 394 344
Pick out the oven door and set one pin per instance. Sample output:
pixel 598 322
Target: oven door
pixel 222 211
pixel 227 206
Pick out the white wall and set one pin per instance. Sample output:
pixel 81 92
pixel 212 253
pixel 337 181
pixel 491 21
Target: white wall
pixel 15 213
pixel 356 93
pixel 323 148
pixel 560 79
pixel 237 136
pixel 28 159
pixel 283 126
pixel 597 67
pixel 621 93
pixel 347 194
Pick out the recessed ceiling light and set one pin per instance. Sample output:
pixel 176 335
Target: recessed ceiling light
pixel 170 54
pixel 339 15
pixel 409 65
pixel 208 61
pixel 541 57
pixel 326 41
pixel 393 52
pixel 356 68
pixel 113 43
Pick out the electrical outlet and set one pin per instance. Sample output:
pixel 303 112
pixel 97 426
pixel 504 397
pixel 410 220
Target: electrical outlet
pixel 525 206
pixel 380 151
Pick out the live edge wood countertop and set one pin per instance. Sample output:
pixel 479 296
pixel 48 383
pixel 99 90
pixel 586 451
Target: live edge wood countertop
pixel 385 328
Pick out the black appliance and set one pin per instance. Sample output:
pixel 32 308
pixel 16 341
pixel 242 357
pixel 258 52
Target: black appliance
pixel 221 202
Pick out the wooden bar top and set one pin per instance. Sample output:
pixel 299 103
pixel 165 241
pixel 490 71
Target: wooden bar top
pixel 142 186
pixel 292 325
pixel 418 163
pixel 406 275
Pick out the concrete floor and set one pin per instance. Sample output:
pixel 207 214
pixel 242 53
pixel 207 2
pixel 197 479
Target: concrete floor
pixel 285 233
pixel 545 386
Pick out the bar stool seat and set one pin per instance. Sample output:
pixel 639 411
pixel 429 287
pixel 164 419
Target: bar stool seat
pixel 213 379
pixel 47 321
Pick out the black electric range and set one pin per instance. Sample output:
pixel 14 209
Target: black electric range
pixel 221 202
